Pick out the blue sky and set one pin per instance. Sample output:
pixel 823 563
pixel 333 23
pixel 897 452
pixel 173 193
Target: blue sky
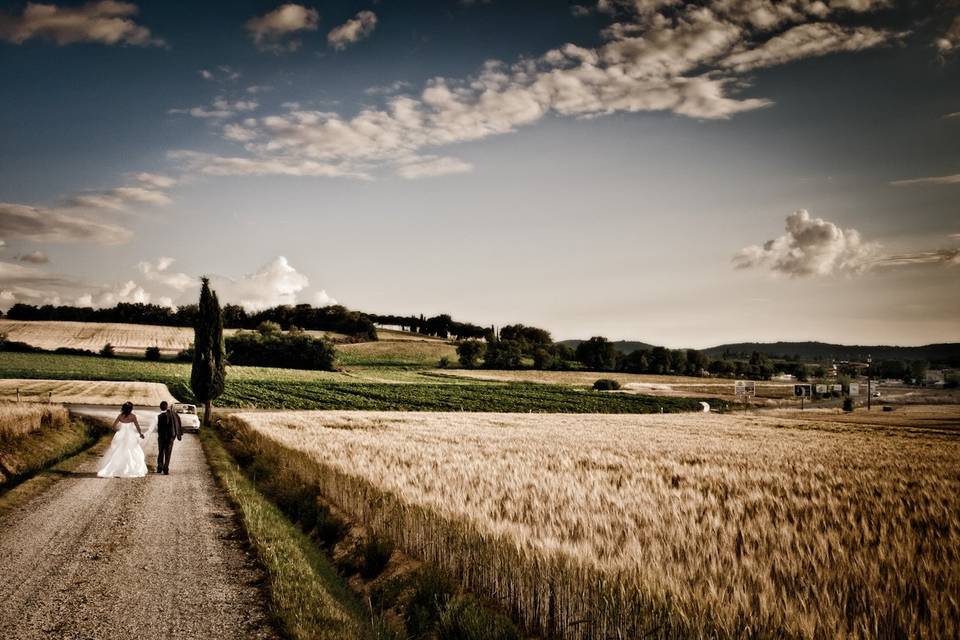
pixel 642 169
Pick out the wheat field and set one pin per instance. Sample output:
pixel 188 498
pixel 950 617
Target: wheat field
pixel 687 525
pixel 85 392
pixel 125 338
pixel 19 419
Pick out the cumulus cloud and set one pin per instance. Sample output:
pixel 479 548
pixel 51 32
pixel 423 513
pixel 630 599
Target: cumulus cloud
pixel 271 31
pixel 159 272
pixel 935 180
pixel 816 247
pixel 810 247
pixel 41 224
pixel 275 284
pixel 106 22
pixel 430 166
pixel 353 30
pixel 34 257
pixel 30 285
pixel 322 299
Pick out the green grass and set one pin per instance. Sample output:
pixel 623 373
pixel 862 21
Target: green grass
pixel 264 388
pixel 306 595
pixel 24 456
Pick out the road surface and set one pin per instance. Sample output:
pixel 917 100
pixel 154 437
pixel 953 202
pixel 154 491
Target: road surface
pixel 153 557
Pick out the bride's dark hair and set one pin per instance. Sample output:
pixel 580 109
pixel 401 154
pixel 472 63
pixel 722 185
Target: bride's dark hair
pixel 127 408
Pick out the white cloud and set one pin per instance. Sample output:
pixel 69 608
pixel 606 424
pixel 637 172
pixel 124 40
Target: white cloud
pixel 935 180
pixel 950 39
pixel 275 284
pixel 663 55
pixel 806 41
pixel 258 88
pixel 213 165
pixel 270 31
pixel 220 108
pixel 155 180
pixel 947 257
pixel 810 247
pixel 429 166
pixel 34 257
pixel 387 90
pixel 119 198
pixel 353 30
pixel 322 299
pixel 41 224
pixel 31 285
pixel 160 272
pixel 105 22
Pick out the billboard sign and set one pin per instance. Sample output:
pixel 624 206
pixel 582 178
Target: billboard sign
pixel 854 389
pixel 745 388
pixel 801 390
pixel 821 389
pixel 837 387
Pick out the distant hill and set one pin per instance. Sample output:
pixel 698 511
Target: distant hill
pixel 623 346
pixel 945 353
pixel 948 353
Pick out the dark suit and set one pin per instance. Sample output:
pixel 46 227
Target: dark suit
pixel 168 428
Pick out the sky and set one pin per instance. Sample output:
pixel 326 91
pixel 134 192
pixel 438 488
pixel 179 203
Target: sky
pixel 685 174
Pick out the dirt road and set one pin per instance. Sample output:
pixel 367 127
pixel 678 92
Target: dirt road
pixel 153 557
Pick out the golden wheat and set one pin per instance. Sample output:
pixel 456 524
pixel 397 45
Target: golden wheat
pixel 148 394
pixel 20 418
pixel 658 526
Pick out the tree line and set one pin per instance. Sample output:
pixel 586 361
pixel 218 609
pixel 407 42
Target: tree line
pixel 335 318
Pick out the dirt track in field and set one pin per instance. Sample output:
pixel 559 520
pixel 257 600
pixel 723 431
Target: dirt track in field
pixel 153 557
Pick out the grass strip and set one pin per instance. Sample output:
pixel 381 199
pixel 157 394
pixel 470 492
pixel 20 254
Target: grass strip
pixel 307 596
pixel 44 458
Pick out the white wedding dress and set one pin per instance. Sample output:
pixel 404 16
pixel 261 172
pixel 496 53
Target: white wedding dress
pixel 125 457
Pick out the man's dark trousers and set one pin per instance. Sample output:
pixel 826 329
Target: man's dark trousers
pixel 165 446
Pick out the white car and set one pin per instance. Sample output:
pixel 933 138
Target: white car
pixel 189 419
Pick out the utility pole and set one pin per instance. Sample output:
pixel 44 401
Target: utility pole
pixel 869 381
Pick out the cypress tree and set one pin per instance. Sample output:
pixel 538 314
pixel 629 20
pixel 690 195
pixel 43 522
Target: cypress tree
pixel 209 371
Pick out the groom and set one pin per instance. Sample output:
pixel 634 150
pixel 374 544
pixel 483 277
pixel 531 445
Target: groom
pixel 168 428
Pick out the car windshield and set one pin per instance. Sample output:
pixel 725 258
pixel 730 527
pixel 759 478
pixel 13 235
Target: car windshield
pixel 185 408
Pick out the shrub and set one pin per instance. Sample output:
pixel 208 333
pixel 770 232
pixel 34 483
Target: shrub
pixel 606 384
pixel 848 404
pixel 185 355
pixel 465 619
pixel 71 351
pixel 432 592
pixel 444 362
pixel 269 328
pixel 107 351
pixel 375 554
pixel 152 353
pixel 299 351
pixel 469 351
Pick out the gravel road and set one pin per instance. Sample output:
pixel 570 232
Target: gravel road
pixel 153 557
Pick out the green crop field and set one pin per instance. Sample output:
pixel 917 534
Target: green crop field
pixel 369 389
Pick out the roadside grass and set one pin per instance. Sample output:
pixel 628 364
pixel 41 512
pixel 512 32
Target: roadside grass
pixel 306 595
pixel 404 597
pixel 265 388
pixel 29 453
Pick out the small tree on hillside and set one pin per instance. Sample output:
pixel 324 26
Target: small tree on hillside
pixel 209 373
pixel 469 351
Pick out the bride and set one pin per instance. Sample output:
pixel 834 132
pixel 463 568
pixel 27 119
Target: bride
pixel 125 458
